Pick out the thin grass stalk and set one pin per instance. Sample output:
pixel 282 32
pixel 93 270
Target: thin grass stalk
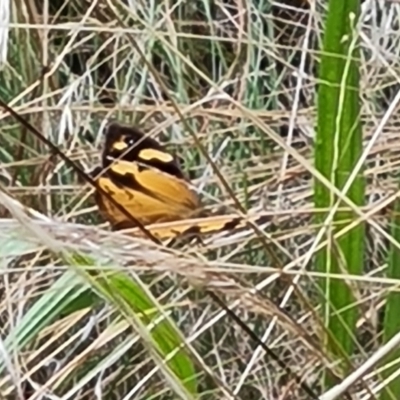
pixel 338 147
pixel 391 325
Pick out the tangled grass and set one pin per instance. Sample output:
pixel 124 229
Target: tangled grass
pixel 241 78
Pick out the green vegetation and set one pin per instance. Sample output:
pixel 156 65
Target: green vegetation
pixel 338 149
pixel 282 110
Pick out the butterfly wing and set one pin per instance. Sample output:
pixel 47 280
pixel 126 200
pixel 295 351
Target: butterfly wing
pixel 129 144
pixel 165 214
pixel 142 177
pixel 149 195
pixel 202 226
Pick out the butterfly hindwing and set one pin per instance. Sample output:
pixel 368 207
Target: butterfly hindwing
pixel 202 226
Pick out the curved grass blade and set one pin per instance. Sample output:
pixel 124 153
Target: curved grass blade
pixel 67 295
pixel 137 305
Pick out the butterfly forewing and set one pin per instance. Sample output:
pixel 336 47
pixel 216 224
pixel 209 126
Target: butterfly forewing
pixel 129 144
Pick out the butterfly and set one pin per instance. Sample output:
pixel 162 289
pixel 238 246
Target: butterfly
pixel 148 182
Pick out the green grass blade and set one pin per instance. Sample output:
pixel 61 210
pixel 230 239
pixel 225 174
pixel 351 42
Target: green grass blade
pixel 136 305
pixel 67 295
pixel 391 324
pixel 338 148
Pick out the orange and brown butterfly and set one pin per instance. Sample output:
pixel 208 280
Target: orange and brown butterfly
pixel 148 182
